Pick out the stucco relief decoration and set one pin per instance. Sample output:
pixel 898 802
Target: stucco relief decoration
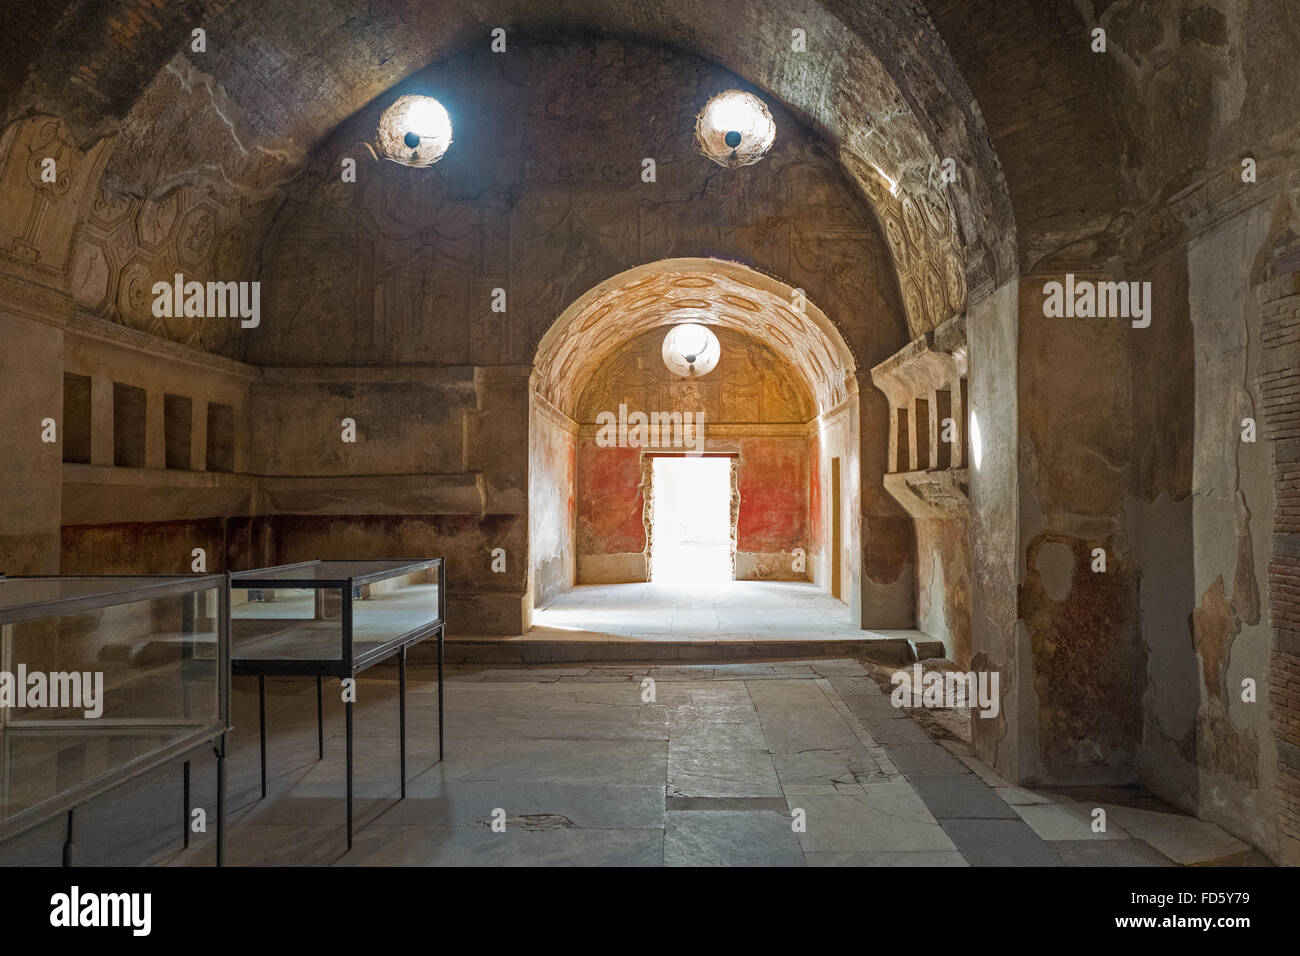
pixel 654 301
pixel 41 176
pixel 920 230
pixel 91 272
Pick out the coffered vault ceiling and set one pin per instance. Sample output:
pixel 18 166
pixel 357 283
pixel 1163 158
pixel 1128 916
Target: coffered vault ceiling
pixel 709 291
pixel 278 75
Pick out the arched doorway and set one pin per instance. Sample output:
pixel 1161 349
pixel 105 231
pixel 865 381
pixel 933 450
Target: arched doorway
pixel 782 405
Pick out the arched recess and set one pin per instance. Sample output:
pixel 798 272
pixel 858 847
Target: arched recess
pixel 734 300
pixel 721 293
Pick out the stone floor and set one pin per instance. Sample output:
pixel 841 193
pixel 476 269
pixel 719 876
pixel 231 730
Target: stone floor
pixel 731 610
pixel 720 768
pixel 663 622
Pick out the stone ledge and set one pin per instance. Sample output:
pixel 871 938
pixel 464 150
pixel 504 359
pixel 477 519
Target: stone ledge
pixel 106 494
pixel 941 493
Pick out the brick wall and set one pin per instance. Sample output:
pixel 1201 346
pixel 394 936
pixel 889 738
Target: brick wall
pixel 1279 382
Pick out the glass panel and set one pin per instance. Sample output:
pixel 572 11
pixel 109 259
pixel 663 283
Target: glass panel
pixel 323 571
pixel 385 610
pixel 84 692
pixel 286 624
pixel 21 592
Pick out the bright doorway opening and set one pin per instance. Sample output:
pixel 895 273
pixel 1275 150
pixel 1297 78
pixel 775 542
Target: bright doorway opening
pixel 691 527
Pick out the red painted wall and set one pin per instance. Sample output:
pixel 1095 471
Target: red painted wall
pixel 774 498
pixel 609 499
pixel 773 495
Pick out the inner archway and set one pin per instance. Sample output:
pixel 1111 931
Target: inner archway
pixel 782 404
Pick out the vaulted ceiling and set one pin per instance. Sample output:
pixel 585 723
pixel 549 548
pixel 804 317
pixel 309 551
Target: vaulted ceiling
pixel 1075 143
pixel 278 75
pixel 715 293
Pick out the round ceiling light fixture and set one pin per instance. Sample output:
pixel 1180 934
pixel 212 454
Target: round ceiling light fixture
pixel 691 350
pixel 735 128
pixel 414 131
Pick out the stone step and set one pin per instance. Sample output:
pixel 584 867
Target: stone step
pixel 927 648
pixel 467 650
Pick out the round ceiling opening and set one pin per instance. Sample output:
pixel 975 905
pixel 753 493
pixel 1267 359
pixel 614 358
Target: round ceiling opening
pixel 414 131
pixel 691 350
pixel 735 128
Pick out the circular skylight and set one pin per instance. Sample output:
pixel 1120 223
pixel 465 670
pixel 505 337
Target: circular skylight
pixel 414 131
pixel 735 128
pixel 691 350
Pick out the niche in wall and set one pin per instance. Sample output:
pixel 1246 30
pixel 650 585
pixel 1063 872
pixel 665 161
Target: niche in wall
pixel 943 413
pixel 221 437
pixel 902 453
pixel 129 415
pixel 76 418
pixel 177 416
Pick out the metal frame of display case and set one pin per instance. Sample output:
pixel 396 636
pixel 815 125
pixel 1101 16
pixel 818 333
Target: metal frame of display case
pixel 75 797
pixel 347 664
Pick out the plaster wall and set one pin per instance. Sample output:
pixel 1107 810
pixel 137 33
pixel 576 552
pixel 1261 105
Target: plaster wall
pixel 1074 474
pixel 1217 758
pixel 552 512
pixel 30 472
pixel 998 641
pixel 943 585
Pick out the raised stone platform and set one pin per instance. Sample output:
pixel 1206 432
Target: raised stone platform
pixel 734 620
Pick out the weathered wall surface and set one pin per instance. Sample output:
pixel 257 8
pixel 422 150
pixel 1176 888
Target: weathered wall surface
pixel 403 425
pixel 1164 375
pixel 552 510
pixel 1083 628
pixel 30 365
pixel 943 585
pixel 998 641
pixel 1217 757
pixel 157 547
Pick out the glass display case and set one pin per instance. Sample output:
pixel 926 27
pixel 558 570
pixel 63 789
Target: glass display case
pixel 103 679
pixel 335 619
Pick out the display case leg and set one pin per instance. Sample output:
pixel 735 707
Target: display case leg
pixel 440 630
pixel 185 804
pixel 221 802
pixel 401 716
pixel 320 720
pixel 70 843
pixel 261 720
pixel 348 708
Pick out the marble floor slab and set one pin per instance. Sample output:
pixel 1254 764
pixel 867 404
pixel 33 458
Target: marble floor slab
pixel 784 763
